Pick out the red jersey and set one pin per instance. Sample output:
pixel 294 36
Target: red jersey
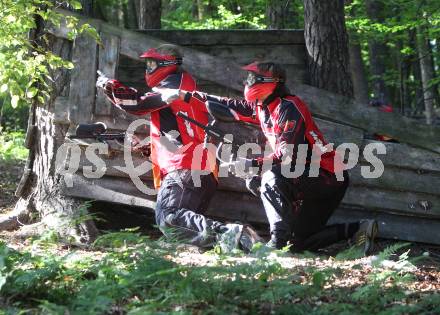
pixel 173 139
pixel 286 121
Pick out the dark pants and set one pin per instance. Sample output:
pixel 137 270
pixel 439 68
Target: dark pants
pixel 180 207
pixel 299 208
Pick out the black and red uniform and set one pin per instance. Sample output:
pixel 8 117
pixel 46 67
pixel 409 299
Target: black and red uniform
pixel 177 152
pixel 297 208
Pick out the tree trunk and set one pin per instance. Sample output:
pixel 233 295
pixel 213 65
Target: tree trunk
pixel 276 11
pixel 87 7
pixel 200 10
pixel 39 190
pixel 378 53
pixel 417 103
pixel 358 75
pixel 427 71
pixel 327 46
pixel 130 16
pixel 149 14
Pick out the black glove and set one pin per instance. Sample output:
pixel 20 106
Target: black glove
pixel 253 184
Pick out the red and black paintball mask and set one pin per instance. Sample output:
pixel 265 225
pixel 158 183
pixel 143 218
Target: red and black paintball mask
pixel 159 66
pixel 259 84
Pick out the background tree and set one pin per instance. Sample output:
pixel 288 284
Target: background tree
pixel 427 74
pixel 357 67
pixel 378 52
pixel 149 13
pixel 327 46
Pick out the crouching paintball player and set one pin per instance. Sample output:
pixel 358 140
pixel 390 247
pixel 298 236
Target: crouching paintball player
pixel 297 207
pixel 174 145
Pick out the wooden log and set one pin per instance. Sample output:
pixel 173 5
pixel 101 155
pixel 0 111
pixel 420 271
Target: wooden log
pixel 246 208
pixel 406 156
pixel 116 190
pixel 108 57
pixel 121 121
pixel 122 191
pixel 82 83
pixel 244 54
pixel 369 198
pixel 338 133
pixel 393 179
pixel 391 226
pixel 373 197
pixel 348 111
pixel 399 179
pixel 229 37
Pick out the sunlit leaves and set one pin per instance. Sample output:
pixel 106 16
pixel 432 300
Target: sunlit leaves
pixel 25 65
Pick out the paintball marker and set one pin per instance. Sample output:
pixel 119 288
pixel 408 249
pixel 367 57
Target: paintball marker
pixel 96 131
pixel 220 112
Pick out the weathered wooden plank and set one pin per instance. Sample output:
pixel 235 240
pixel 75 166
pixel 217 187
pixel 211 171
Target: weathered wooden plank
pixel 244 54
pixel 412 203
pixel 108 57
pixel 338 133
pixel 368 198
pixel 61 110
pixel 229 37
pixel 406 156
pixel 82 83
pixel 117 190
pixel 230 205
pixel 122 120
pixel 348 111
pixel 404 180
pixel 134 77
pixel 391 226
pixel 237 206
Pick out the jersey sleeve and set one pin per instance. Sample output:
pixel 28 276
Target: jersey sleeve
pixel 242 107
pixel 131 101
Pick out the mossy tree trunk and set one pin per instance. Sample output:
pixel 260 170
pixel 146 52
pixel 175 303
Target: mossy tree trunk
pixel 40 189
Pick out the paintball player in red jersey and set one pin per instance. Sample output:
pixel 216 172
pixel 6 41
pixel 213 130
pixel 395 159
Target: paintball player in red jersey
pixel 297 208
pixel 174 142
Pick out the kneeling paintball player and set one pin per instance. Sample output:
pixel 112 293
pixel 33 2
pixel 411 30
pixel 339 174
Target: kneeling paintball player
pixel 180 203
pixel 297 208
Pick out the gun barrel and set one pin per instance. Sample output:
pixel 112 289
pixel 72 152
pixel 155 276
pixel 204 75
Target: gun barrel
pixel 207 129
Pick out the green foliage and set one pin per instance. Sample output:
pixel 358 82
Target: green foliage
pixel 222 18
pixel 127 272
pixel 12 146
pixel 26 66
pixel 394 26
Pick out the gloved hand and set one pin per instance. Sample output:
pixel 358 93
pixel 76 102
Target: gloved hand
pixel 140 146
pixel 102 80
pixel 168 95
pixel 253 184
pixel 243 166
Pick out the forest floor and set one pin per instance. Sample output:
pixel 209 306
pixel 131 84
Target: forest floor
pixel 128 272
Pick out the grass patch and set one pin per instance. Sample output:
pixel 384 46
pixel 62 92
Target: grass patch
pixel 12 146
pixel 126 272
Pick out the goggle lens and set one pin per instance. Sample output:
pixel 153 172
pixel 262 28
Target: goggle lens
pixel 253 78
pixel 150 65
